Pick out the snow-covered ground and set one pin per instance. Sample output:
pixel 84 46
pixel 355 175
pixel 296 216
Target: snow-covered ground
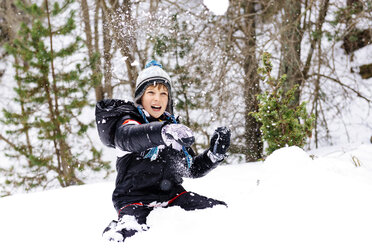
pixel 293 199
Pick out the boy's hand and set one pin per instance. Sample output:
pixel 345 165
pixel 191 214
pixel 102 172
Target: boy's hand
pixel 177 135
pixel 220 142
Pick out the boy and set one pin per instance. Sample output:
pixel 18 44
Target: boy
pixel 156 153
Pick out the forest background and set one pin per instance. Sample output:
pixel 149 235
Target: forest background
pixel 58 58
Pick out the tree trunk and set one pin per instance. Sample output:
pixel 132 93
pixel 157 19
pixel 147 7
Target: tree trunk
pixel 254 147
pixel 62 149
pixel 92 51
pixel 123 29
pixel 107 56
pixel 290 39
pixel 317 36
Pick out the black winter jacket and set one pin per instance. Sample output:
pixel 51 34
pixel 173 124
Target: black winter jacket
pixel 139 179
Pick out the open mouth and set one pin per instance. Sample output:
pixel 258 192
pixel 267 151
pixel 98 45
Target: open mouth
pixel 156 107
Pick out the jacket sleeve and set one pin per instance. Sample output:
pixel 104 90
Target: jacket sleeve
pixel 202 164
pixel 138 138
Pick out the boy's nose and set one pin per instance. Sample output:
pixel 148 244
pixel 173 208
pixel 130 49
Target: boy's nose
pixel 157 97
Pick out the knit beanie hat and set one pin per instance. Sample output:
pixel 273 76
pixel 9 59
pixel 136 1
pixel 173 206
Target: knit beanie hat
pixel 153 74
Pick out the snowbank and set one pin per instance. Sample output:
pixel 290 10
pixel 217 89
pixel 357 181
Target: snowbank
pixel 290 200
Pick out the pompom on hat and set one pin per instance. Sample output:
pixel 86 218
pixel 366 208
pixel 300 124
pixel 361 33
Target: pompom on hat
pixel 153 74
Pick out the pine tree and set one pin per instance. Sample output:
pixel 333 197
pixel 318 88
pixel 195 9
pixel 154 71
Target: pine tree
pixel 45 130
pixel 283 124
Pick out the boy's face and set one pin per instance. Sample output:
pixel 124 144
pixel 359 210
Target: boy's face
pixel 155 100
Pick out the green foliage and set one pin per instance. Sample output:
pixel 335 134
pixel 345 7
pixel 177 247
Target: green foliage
pixel 45 132
pixel 188 93
pixel 282 123
pixel 177 44
pixel 342 15
pixel 348 15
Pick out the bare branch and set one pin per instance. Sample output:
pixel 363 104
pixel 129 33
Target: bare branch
pixel 344 86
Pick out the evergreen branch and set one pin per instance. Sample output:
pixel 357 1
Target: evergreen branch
pixel 11 144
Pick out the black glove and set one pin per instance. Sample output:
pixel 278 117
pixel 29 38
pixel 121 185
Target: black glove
pixel 220 141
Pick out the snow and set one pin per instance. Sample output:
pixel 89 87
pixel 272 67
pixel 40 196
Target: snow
pixel 218 7
pixel 319 198
pixel 295 198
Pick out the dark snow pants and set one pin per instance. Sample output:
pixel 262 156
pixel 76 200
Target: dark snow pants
pixel 186 200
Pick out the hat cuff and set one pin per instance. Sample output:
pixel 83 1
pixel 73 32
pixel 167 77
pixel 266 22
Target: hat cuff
pixel 145 83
